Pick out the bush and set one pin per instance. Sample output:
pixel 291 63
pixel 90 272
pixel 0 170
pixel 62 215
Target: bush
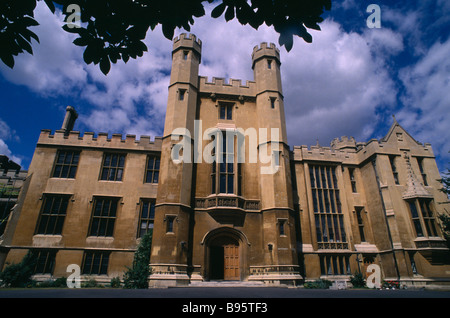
pixel 91 283
pixel 358 281
pixel 19 275
pixel 318 284
pixel 137 275
pixel 115 282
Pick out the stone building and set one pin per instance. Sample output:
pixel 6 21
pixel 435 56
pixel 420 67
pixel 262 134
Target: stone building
pixel 225 195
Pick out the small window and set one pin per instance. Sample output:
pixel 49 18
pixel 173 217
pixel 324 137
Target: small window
pixel 269 64
pixel 66 164
pixel 226 111
pixel 181 94
pixel 169 223
pixel 95 263
pixel 152 169
pixel 282 227
pixel 185 55
pixel 112 168
pixel 272 102
pixel 146 217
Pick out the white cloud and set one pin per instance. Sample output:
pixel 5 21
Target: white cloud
pixel 332 87
pixel 426 114
pixel 6 133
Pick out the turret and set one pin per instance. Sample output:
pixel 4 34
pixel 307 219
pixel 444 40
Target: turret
pixel 173 211
pixel 183 88
pixel 269 93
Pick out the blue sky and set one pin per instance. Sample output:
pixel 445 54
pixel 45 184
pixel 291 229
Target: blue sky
pixel 348 82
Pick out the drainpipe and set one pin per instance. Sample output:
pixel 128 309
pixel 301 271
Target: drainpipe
pixel 385 216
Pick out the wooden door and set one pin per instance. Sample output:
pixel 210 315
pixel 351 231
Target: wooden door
pixel 231 262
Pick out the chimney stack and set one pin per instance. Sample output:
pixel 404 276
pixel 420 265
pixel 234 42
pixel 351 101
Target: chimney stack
pixel 69 119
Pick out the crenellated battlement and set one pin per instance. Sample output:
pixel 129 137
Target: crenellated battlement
pixel 265 50
pixel 102 140
pixel 187 41
pixel 345 142
pixel 220 85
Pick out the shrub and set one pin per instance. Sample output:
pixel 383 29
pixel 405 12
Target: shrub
pixel 137 275
pixel 358 281
pixel 19 275
pixel 318 284
pixel 115 282
pixel 90 284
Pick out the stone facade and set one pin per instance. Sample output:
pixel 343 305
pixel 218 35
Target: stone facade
pixel 266 213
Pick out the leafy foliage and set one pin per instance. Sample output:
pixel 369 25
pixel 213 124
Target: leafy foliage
pixel 19 275
pixel 15 37
pixel 358 281
pixel 113 30
pixel 137 275
pixel 318 284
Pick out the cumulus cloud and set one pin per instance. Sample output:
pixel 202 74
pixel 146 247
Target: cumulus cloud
pixel 426 112
pixel 6 133
pixel 344 83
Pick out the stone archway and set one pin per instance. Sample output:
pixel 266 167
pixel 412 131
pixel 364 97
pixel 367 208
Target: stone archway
pixel 225 254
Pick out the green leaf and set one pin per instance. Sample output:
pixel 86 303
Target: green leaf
pixel 217 11
pixel 229 14
pixel 168 31
pixel 105 65
pixel 8 60
pixel 80 42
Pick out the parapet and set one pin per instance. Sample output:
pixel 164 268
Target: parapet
pixel 344 142
pixel 265 50
pixel 102 140
pixel 187 41
pixel 220 86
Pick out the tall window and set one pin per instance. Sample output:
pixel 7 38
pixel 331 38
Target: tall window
pixel 52 215
pixel 66 164
pixel 335 265
pixel 394 169
pixel 351 172
pixel 422 172
pixel 152 169
pixel 112 167
pixel 95 263
pixel 359 217
pixel 103 217
pixel 223 169
pixel 423 217
pixel 328 215
pixel 146 216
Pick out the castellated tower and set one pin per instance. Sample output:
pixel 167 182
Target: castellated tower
pixel 173 204
pixel 276 189
pixel 232 217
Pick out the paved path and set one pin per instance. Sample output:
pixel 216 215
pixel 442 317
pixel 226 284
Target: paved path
pixel 221 292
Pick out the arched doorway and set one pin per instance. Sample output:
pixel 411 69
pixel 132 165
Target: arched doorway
pixel 224 259
pixel 224 254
